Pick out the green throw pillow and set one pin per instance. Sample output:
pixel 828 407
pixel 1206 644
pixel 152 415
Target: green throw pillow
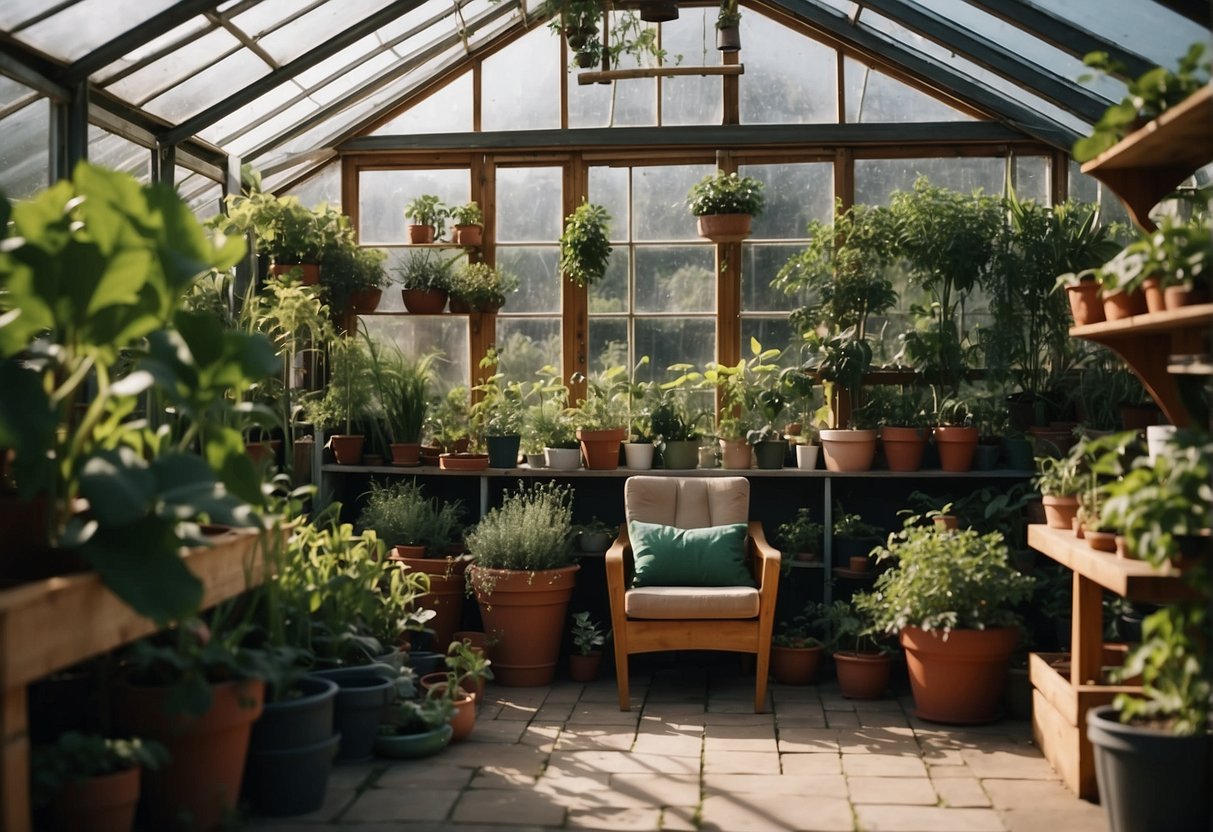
pixel 669 556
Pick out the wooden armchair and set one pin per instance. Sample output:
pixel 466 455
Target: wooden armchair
pixel 656 618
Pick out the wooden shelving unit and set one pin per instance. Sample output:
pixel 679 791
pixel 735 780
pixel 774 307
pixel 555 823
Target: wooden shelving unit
pixel 1060 704
pixel 1149 163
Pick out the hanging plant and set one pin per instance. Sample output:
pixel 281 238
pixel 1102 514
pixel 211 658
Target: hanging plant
pixel 585 248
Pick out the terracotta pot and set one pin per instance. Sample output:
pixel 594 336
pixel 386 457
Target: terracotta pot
pixel 424 301
pixel 1139 416
pixel 1059 511
pixel 263 452
pixel 458 306
pixel 1176 297
pixel 956 446
pixel 736 454
pixel 859 563
pixel 1155 299
pixel 601 447
pixel 584 668
pixel 346 448
pixel 406 453
pixel 724 228
pixel 524 614
pixel 105 803
pixel 468 235
pixel 903 447
pixel 446 593
pixel 463 462
pixel 1051 441
pixel 946 522
pixel 959 681
pixel 430 454
pixel 1100 541
pixel 862 675
pixel 848 450
pixel 463 722
pixel 1120 305
pixel 795 665
pixel 306 273
pixel 420 234
pixel 206 752
pixel 1085 305
pixel 365 301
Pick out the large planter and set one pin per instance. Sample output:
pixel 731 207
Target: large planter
pixel 503 450
pixel 291 750
pixel 959 681
pixel 1059 511
pixel 848 450
pixel 903 447
pixel 863 675
pixel 770 454
pixel 680 455
pixel 1149 779
pixel 737 454
pixel 956 446
pixel 424 301
pixel 358 709
pixel 724 228
pixel 446 593
pixel 105 803
pixel 207 751
pixel 524 615
pixel 638 455
pixel 410 746
pixel 795 665
pixel 601 447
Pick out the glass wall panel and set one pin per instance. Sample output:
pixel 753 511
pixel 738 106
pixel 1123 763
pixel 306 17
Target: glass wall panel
pixel 610 294
pixel 449 110
pixel 630 103
pixel 872 96
pixel 529 204
pixel 692 99
pixel 608 344
pixel 25 151
pixel 520 85
pixel 668 341
pixel 760 262
pixel 876 179
pixel 789 79
pixel 675 279
pixel 322 186
pixel 1148 29
pixel 527 344
pixel 1031 178
pixel 1084 188
pixel 658 201
pixel 419 335
pixel 795 193
pixel 536 268
pixel 384 193
pixel 773 333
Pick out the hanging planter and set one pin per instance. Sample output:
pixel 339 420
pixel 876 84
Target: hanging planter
pixel 724 205
pixel 728 27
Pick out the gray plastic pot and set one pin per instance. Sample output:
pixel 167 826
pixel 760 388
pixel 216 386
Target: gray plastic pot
pixel 362 699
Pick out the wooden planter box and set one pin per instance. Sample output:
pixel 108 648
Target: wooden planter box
pixel 52 624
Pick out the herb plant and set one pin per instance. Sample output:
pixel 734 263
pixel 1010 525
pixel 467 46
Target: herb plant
pixel 531 530
pixel 75 757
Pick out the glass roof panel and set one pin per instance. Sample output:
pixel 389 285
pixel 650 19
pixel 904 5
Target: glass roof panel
pixel 161 75
pixel 179 39
pixel 14 94
pixel 263 108
pixel 1148 29
pixel 348 69
pixel 270 128
pixel 448 110
pixel 15 12
pixel 791 79
pixel 105 148
pixel 872 96
pixel 208 87
pixel 314 28
pixel 520 85
pixel 264 16
pixel 82 27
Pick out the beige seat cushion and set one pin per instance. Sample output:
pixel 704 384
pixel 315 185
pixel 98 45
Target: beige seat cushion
pixel 682 602
pixel 688 503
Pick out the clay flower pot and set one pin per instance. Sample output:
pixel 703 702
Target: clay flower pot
pixel 903 447
pixel 468 235
pixel 956 446
pixel 424 301
pixel 105 803
pixel 445 597
pixel 346 448
pixel 1151 287
pixel 1182 295
pixel 959 681
pixel 862 675
pixel 724 228
pixel 306 273
pixel 601 447
pixel 1120 305
pixel 420 234
pixel 1059 511
pixel 406 453
pixel 584 668
pixel 848 450
pixel 736 453
pixel 795 665
pixel 1100 541
pixel 1085 305
pixel 365 301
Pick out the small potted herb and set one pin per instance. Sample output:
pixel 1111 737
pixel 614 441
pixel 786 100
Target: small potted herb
pixel 854 539
pixel 425 282
pixel 468 219
pixel 725 204
pixel 585 658
pixel 801 536
pixel 795 652
pixel 416 728
pixel 479 287
pixel 428 215
pixel 860 656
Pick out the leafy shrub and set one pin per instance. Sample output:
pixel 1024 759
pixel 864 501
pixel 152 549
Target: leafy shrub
pixel 532 530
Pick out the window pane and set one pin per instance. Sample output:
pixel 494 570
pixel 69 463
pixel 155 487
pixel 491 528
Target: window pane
pixel 449 110
pixel 876 179
pixel 210 86
pixel 111 151
pixel 538 280
pixel 675 278
pixel 759 264
pixel 529 204
pixel 692 99
pixel 526 345
pixel 83 26
pixel 520 85
pixel 789 79
pixel 611 293
pixel 608 343
pixel 609 188
pixel 873 96
pixel 1032 178
pixel 163 73
pixel 668 341
pixel 1084 188
pixel 382 195
pixel 659 195
pixel 25 151
pixel 631 103
pixel 419 335
pixel 795 194
pixel 773 334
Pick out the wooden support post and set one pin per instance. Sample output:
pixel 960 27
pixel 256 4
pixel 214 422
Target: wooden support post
pixel 14 762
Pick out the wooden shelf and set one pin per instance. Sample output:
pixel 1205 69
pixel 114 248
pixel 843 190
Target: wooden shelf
pixel 621 471
pixel 440 245
pixel 1136 580
pixel 1149 163
pixel 1190 365
pixel 604 76
pixel 1146 342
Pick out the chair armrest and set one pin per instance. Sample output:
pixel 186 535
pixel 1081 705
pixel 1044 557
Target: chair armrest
pixel 766 557
pixel 617 557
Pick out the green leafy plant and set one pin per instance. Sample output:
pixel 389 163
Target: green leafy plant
pixel 428 209
pixel 467 214
pixel 500 408
pixel 853 525
pixel 531 530
pixel 587 634
pixel 800 534
pixel 482 287
pixel 75 757
pixel 467 667
pixel 799 631
pixel 410 716
pixel 400 515
pixel 847 629
pixel 402 390
pixel 352 269
pixel 425 270
pixel 1058 476
pixel 585 247
pixel 726 193
pixel 729 15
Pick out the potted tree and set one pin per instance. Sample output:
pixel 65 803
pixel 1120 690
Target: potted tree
pixel 950 598
pixel 468 224
pixel 795 652
pixel 428 215
pixel 861 659
pixel 522 575
pixel 724 204
pixel 424 283
pixel 585 247
pixel 585 658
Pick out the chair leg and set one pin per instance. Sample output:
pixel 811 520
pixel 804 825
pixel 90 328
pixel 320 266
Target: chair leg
pixel 621 676
pixel 760 682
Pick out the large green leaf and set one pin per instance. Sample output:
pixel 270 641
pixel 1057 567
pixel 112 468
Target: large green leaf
pixel 143 567
pixel 119 486
pixel 27 425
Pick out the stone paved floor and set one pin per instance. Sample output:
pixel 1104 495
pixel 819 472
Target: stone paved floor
pixel 692 755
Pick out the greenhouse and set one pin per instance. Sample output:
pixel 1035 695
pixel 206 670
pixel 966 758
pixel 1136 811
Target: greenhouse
pixel 576 414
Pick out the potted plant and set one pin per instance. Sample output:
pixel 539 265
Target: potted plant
pixel 955 435
pixel 584 660
pixel 728 27
pixel 86 783
pixel 673 421
pixel 428 215
pixel 550 423
pixel 354 278
pixel 479 287
pixel 497 417
pixel 801 536
pixel 795 652
pixel 1059 481
pixel 854 539
pixel 724 204
pixel 348 401
pixel 595 536
pixel 602 418
pixel 585 247
pixel 522 575
pixel 468 224
pixel 950 598
pixel 862 660
pixel 424 282
pixel 902 415
pixel 416 728
pixel 402 390
pixel 749 392
pixel 467 671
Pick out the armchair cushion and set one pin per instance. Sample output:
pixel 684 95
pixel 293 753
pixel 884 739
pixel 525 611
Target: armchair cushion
pixel 691 602
pixel 670 556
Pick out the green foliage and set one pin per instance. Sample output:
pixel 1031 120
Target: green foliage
pixel 352 269
pixel 427 209
pixel 283 228
pixel 945 580
pixel 726 193
pixel 1058 476
pixel 531 530
pixel 585 248
pixel 729 15
pixel 802 630
pixel 402 390
pixel 425 270
pixel 400 515
pixel 587 634
pixel 605 405
pixel 853 525
pixel 482 287
pixel 1148 97
pixel 500 408
pixel 847 629
pixel 905 406
pixel 466 667
pixel 467 214
pixel 75 757
pixel 1178 253
pixel 800 534
pixel 409 716
pixel 749 391
pixel 1173 660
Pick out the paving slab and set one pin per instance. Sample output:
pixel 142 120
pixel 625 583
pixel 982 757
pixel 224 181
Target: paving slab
pixel 741 762
pixel 638 818
pixel 815 785
pixel 882 818
pixel 906 791
pixel 883 765
pixel 388 805
pixel 730 813
pixel 960 791
pixel 1029 794
pixel 820 763
pixel 507 806
pixel 658 789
